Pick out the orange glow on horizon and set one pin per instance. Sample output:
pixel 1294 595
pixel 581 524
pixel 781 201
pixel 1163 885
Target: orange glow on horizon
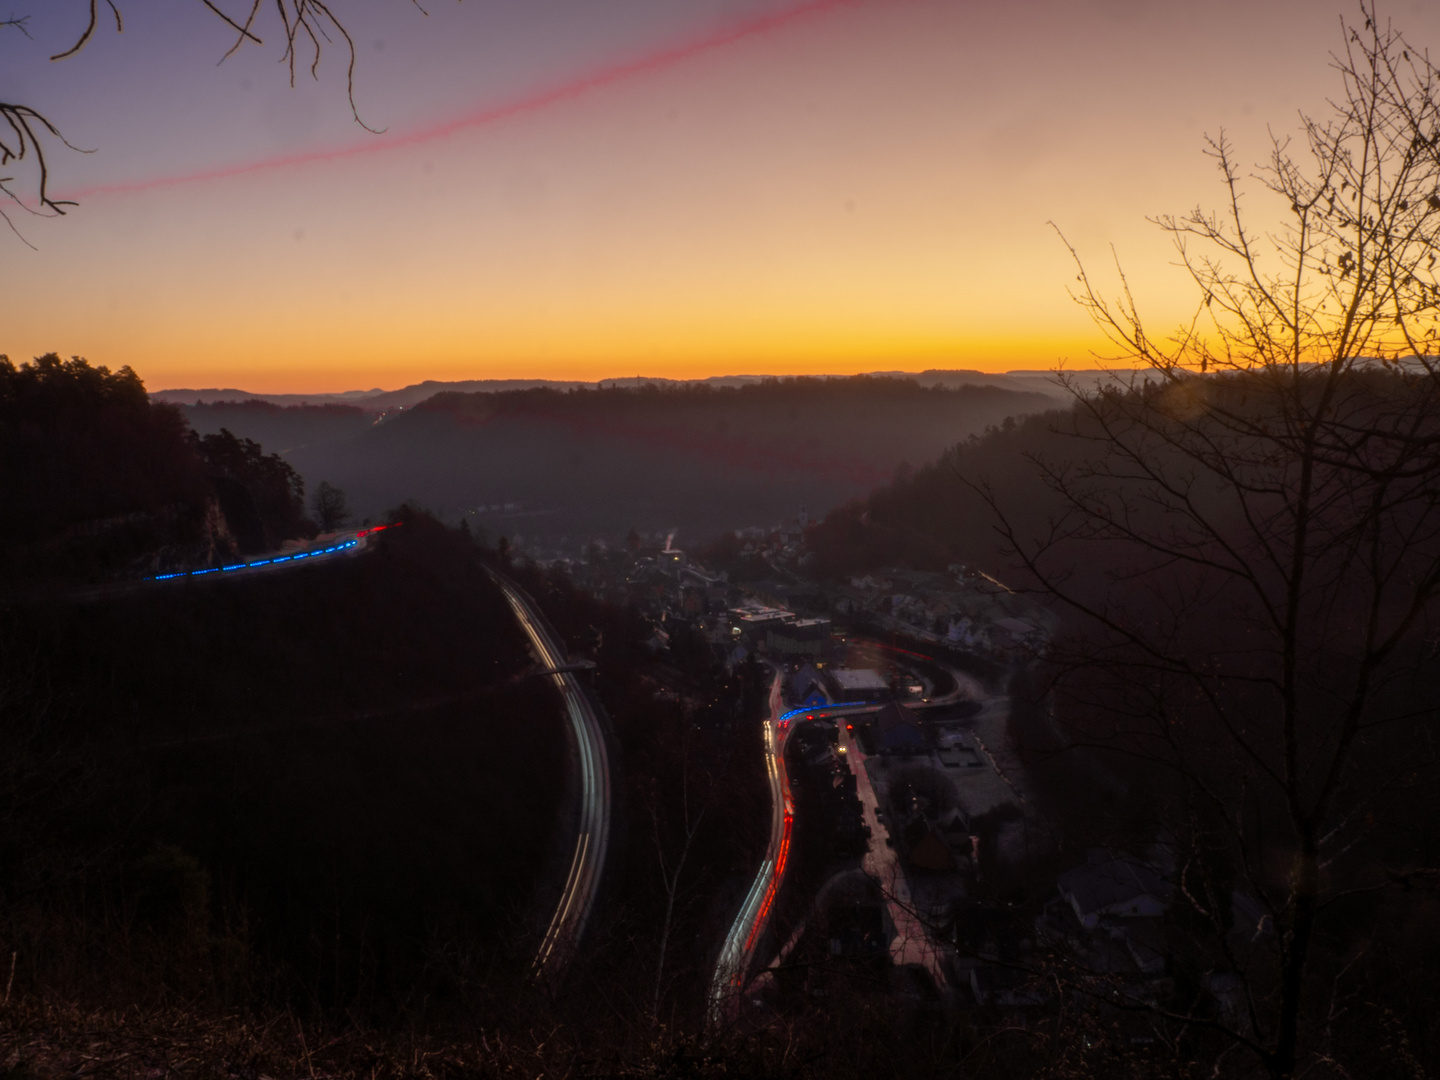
pixel 845 186
pixel 341 376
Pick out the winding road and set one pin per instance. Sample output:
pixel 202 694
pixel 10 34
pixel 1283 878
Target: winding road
pixel 738 953
pixel 593 835
pixel 354 540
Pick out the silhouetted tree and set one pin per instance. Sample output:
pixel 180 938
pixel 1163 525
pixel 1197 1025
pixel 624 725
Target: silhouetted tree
pixel 306 27
pixel 328 502
pixel 674 839
pixel 262 496
pixel 91 471
pixel 1249 544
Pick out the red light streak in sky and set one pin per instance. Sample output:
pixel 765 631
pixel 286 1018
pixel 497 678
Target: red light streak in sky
pixel 535 102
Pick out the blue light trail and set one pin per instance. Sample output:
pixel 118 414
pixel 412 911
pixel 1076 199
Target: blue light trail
pixel 827 708
pixel 333 549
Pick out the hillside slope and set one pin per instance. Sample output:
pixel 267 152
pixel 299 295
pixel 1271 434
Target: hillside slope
pixel 703 459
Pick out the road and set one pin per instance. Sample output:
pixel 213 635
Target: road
pixel 354 540
pixel 593 839
pixel 326 547
pixel 737 955
pixel 911 944
pixel 593 835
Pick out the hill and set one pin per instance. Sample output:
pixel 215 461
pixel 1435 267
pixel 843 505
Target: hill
pixel 99 481
pixel 702 458
pixel 286 428
pixel 298 789
pixel 378 400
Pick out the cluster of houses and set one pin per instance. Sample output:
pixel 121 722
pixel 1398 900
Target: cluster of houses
pixel 935 786
pixel 944 801
pixel 962 608
pixel 788 616
pixel 945 806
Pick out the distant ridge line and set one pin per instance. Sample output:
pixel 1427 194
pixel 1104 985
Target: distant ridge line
pixel 378 400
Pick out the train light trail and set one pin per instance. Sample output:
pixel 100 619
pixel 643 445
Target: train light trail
pixel 275 560
pixel 587 864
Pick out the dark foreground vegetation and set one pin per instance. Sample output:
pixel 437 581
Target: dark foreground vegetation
pixel 1243 545
pixel 297 825
pixel 100 483
pixel 327 790
pixel 1242 691
pixel 299 822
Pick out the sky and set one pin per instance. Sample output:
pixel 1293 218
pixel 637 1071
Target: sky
pixel 585 189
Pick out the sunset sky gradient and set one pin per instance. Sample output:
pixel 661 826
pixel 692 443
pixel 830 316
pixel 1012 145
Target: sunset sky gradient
pixel 600 188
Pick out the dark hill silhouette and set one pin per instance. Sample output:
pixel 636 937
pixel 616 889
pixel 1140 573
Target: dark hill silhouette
pixel 302 789
pixel 1040 381
pixel 81 445
pixel 98 481
pixel 934 515
pixel 283 428
pixel 700 457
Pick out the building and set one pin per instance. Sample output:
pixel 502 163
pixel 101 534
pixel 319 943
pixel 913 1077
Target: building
pixel 958 751
pixel 798 637
pixel 930 852
pixel 807 689
pixel 857 684
pixel 897 731
pixel 1114 885
pixel 1000 985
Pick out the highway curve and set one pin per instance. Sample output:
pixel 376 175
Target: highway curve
pixel 737 955
pixel 593 837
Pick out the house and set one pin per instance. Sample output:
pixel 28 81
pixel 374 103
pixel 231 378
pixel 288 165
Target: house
pixel 897 731
pixel 931 852
pixel 659 641
pixel 1145 941
pixel 753 622
pixel 693 574
pixel 1013 633
pixel 955 831
pixel 807 689
pixel 995 984
pixel 1114 885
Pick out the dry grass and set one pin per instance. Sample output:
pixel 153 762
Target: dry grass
pixel 40 1039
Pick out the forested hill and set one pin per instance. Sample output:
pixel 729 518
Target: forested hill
pixel 703 458
pixel 98 481
pixel 286 428
pixel 949 508
pixel 1040 381
pixel 936 514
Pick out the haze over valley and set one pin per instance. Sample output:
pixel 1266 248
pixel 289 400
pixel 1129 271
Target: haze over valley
pixel 704 459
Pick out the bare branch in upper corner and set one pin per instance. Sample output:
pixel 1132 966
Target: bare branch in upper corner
pixel 90 28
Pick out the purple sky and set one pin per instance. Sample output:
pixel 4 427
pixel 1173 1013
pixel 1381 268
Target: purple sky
pixel 580 188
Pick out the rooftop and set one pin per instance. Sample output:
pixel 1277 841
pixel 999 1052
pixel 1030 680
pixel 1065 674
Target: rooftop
pixel 858 679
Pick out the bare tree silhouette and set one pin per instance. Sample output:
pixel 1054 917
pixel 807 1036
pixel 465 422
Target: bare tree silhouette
pixel 1249 544
pixel 308 28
